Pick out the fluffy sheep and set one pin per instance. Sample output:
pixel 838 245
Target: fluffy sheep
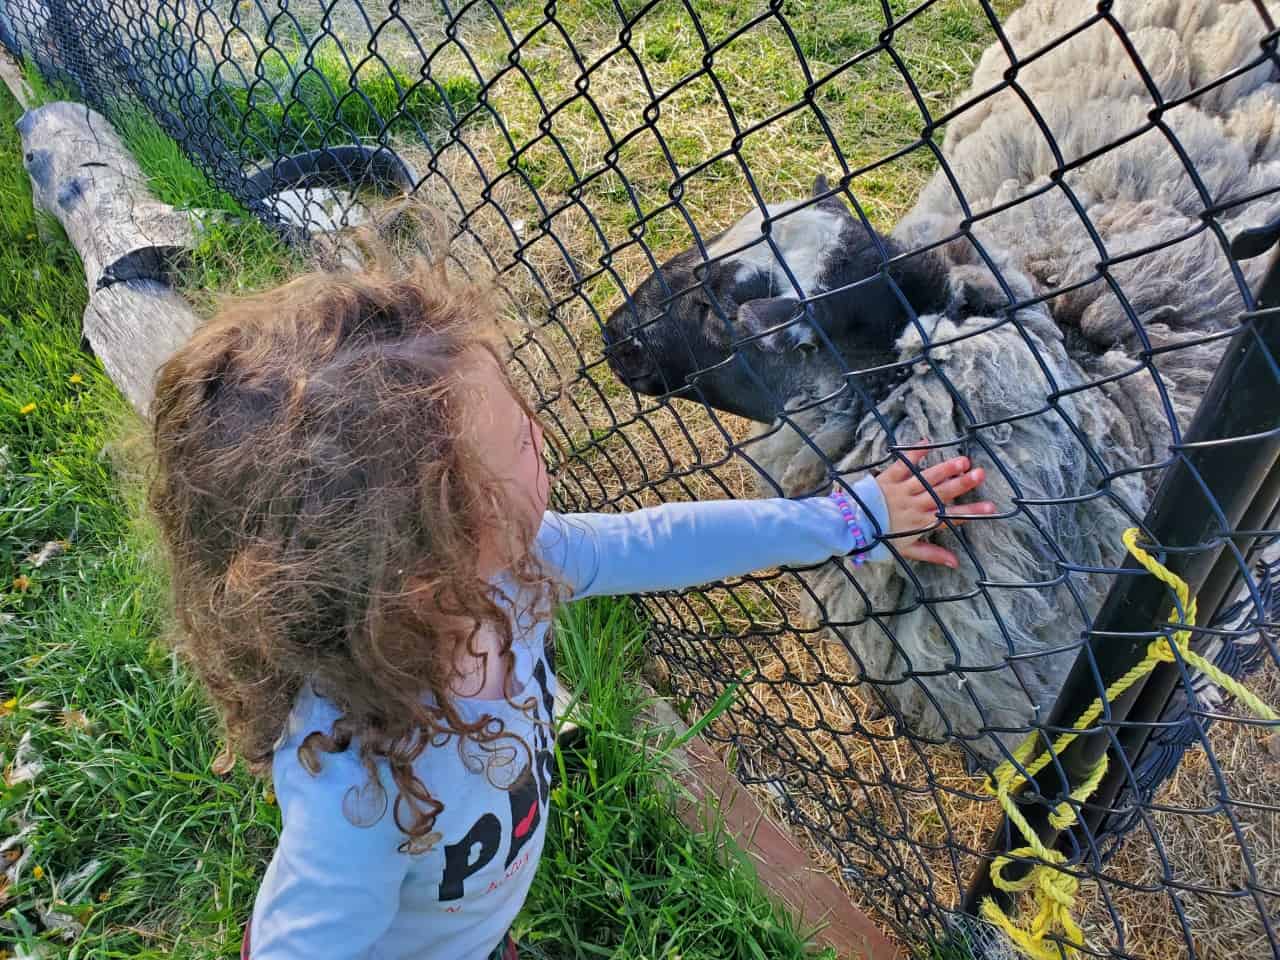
pixel 1055 349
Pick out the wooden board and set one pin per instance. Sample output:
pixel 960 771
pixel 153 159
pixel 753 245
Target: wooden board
pixel 784 869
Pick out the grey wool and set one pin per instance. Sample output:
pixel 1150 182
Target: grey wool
pixel 1067 403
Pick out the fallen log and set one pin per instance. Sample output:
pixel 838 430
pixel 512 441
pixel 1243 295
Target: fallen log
pixel 128 241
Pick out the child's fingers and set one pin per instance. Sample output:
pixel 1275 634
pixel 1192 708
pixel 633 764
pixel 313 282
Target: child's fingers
pixel 965 511
pixel 898 471
pixel 929 553
pixel 927 517
pixel 939 473
pixel 956 486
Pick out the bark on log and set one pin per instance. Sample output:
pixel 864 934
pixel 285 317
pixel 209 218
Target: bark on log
pixel 82 173
pixel 134 327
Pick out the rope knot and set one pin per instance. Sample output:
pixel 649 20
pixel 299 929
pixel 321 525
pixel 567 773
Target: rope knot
pixel 1054 889
pixel 1055 893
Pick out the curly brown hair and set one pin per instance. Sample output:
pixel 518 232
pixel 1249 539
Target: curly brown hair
pixel 322 513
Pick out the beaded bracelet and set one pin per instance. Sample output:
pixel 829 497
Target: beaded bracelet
pixel 851 518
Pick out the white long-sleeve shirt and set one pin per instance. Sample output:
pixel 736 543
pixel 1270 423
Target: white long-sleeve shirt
pixel 338 887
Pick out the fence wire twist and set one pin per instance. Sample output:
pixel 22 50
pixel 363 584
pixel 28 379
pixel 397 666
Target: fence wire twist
pixel 1052 301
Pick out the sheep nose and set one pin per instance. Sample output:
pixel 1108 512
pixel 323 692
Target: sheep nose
pixel 630 362
pixel 649 384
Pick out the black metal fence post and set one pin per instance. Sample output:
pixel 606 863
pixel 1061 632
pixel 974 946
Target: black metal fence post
pixel 1225 462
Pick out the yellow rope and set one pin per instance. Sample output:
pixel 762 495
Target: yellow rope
pixel 1053 888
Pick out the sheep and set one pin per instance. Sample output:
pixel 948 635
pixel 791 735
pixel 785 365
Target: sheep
pixel 1017 349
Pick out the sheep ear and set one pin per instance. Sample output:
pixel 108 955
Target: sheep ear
pixel 757 316
pixel 820 186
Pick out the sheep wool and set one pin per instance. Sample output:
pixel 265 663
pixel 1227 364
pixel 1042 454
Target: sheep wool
pixel 1056 402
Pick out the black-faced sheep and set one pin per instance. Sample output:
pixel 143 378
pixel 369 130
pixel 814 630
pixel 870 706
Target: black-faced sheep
pixel 1068 399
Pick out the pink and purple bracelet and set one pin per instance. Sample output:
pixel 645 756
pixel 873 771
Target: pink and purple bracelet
pixel 851 518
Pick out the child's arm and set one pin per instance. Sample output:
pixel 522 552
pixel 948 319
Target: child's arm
pixel 681 544
pixel 332 888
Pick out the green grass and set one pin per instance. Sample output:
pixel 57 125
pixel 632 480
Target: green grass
pixel 234 252
pixel 165 855
pixel 177 849
pixel 171 175
pixel 622 876
pixel 300 100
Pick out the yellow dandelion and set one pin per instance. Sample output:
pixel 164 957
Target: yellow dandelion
pixel 270 797
pixel 38 872
pixel 29 408
pixel 75 378
pixel 22 583
pixel 104 896
pixel 8 706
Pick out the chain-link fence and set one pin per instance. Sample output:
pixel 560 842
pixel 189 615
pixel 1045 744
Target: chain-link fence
pixel 1020 248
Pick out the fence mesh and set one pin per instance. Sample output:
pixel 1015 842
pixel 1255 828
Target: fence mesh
pixel 1020 251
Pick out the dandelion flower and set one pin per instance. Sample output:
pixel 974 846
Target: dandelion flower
pixel 38 872
pixel 75 720
pixel 8 706
pixel 29 408
pixel 75 378
pixel 22 583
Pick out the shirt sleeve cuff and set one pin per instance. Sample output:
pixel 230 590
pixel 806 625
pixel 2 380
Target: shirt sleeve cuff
pixel 870 499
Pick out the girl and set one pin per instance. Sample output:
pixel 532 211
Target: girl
pixel 354 500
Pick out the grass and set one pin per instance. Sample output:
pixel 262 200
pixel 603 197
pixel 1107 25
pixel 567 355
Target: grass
pixel 234 252
pixel 920 808
pixel 299 100
pixel 622 876
pixel 862 109
pixel 124 795
pixel 117 839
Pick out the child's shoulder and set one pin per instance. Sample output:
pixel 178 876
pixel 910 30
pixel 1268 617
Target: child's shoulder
pixel 313 770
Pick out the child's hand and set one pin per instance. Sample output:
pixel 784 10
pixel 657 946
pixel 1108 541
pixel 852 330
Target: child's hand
pixel 913 508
